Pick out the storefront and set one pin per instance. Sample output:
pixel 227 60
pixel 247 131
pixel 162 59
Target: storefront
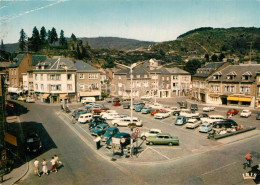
pixel 239 100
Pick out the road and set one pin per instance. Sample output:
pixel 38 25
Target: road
pixel 221 165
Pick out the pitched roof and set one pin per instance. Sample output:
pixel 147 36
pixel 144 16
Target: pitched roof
pixel 17 60
pixel 38 58
pixel 208 69
pixel 177 70
pixel 239 71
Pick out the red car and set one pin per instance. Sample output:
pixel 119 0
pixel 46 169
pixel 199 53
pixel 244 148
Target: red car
pixel 154 111
pixel 232 112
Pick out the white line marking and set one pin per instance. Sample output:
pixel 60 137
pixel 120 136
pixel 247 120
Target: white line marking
pixel 219 168
pixel 159 153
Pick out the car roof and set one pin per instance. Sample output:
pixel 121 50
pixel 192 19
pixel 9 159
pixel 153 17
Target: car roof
pixel 122 134
pixel 163 134
pixel 206 124
pixel 103 124
pixel 112 128
pixel 215 116
pixel 155 129
pixel 246 110
pixel 192 120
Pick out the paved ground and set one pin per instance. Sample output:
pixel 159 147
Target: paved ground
pixel 190 163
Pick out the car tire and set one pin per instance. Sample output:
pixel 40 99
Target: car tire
pixel 143 137
pixel 170 144
pixel 116 125
pixel 150 143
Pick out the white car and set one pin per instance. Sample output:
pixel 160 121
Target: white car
pixel 124 122
pixel 30 99
pixel 162 114
pixel 212 118
pixel 208 109
pixel 146 97
pixel 188 113
pixel 156 106
pixel 110 116
pixel 107 112
pixel 245 113
pixel 193 123
pixel 151 132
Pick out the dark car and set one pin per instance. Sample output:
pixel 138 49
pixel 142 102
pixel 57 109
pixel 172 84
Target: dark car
pixel 203 115
pixel 124 137
pixel 110 132
pixel 14 96
pixel 75 112
pixel 226 123
pixel 33 142
pixel 194 107
pixel 258 116
pixel 183 104
pixel 176 112
pixel 232 112
pixel 100 129
pixel 126 105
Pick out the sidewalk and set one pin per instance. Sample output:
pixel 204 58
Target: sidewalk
pixel 17 173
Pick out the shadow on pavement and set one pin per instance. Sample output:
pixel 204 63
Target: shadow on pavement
pixel 15 109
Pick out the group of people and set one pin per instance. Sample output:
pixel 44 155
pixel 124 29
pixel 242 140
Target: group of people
pixel 54 166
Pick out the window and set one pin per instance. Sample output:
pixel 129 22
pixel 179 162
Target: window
pixel 137 76
pixel 69 87
pixel 213 98
pixel 167 78
pixel 69 77
pixel 215 88
pixel 36 86
pixel 155 77
pixel 35 76
pixel 42 87
pixel 119 84
pixel 216 77
pixel 146 84
pixel 41 76
pixel 94 86
pixel 57 77
pixel 138 84
pixel 175 77
pixel 119 77
pixel 92 75
pixel 81 75
pixel 244 89
pixel 162 78
pixel 229 88
pixel 82 86
pixel 145 76
pixel 174 84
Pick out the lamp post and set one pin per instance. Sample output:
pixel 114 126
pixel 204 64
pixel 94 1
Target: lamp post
pixel 131 101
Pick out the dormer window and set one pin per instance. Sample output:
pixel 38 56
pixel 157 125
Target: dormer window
pixel 247 75
pixel 217 76
pixel 231 75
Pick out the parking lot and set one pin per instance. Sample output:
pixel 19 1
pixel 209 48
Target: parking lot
pixel 191 140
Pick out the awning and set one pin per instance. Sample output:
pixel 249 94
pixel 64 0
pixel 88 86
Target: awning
pixel 214 95
pixel 247 99
pixel 63 95
pixel 233 98
pixel 45 96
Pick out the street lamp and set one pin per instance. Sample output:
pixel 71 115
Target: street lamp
pixel 131 102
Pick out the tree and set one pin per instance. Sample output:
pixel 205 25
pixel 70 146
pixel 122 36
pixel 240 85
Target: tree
pixel 49 36
pixel 207 57
pixel 35 40
pixel 43 35
pixel 73 37
pixel 192 66
pixel 54 35
pixel 2 45
pixel 62 41
pixel 22 40
pixel 214 58
pixel 221 56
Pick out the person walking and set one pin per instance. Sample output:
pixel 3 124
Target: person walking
pixel 44 167
pixel 248 158
pixel 97 140
pixel 36 167
pixel 53 165
pixel 56 158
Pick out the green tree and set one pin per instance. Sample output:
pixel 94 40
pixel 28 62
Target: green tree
pixel 2 45
pixel 207 57
pixel 214 58
pixel 54 36
pixel 192 66
pixel 221 56
pixel 62 41
pixel 73 37
pixel 43 35
pixel 22 40
pixel 35 40
pixel 49 36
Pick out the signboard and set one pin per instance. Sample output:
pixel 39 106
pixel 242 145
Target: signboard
pixel 137 130
pixel 10 139
pixel 134 135
pixel 116 141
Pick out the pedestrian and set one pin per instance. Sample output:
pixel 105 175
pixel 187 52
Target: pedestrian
pixel 248 158
pixel 230 116
pixel 56 158
pixel 36 167
pixel 53 165
pixel 97 140
pixel 44 167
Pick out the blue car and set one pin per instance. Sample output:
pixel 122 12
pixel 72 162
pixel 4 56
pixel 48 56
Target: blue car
pixel 146 110
pixel 110 132
pixel 180 120
pixel 100 129
pixel 205 127
pixel 139 108
pixel 124 142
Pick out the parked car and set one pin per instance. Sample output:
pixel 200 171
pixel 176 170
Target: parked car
pixel 162 139
pixel 109 100
pixel 176 112
pixel 151 132
pixel 98 120
pixel 89 105
pixel 125 139
pixel 258 116
pixel 110 132
pixel 107 112
pixel 232 112
pixel 33 142
pixel 203 115
pixel 135 104
pixel 124 122
pixel 154 111
pixel 180 120
pixel 188 113
pixel 156 106
pixel 75 112
pixel 183 104
pixel 14 96
pixel 193 123
pixel 162 114
pixel 99 129
pixel 30 99
pixel 110 116
pixel 126 105
pixel 79 113
pixel 245 113
pixel 226 123
pixel 212 118
pixel 194 107
pixel 146 97
pixel 208 109
pixel 85 118
pixel 146 110
pixel 139 108
pixel 205 127
pixel 21 98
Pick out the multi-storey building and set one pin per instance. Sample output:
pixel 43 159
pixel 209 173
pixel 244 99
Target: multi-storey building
pixel 150 78
pixel 235 85
pixel 60 78
pixel 199 82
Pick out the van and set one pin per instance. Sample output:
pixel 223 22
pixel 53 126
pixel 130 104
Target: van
pixel 226 123
pixel 88 100
pixel 84 118
pixel 194 107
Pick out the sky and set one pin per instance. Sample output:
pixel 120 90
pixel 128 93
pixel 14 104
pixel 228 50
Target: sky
pixel 147 20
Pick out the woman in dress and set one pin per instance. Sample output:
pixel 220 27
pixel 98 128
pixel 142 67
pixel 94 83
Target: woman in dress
pixel 44 167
